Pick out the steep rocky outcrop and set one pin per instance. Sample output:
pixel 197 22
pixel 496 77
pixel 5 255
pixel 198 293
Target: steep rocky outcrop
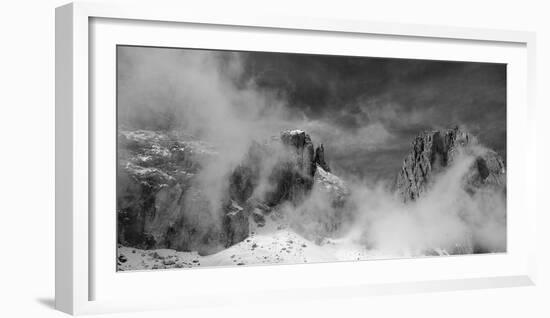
pixel 328 206
pixel 299 144
pixel 283 169
pixel 292 175
pixel 320 158
pixel 161 202
pixel 433 151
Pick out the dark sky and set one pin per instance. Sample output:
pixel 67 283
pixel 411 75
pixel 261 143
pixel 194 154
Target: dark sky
pixel 405 96
pixel 365 110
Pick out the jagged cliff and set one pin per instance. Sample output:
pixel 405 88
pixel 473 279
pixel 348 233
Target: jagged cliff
pixel 320 158
pixel 162 204
pixel 283 183
pixel 433 151
pixel 287 169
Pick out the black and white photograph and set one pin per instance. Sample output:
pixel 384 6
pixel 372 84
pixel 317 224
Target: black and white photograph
pixel 237 158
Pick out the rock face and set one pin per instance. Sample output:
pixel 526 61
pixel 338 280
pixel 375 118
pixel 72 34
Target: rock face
pixel 288 165
pixel 433 151
pixel 326 212
pixel 161 202
pixel 332 186
pixel 292 175
pixel 285 163
pixel 320 158
pixel 299 144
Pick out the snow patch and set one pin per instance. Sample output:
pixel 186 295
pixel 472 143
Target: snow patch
pixel 296 132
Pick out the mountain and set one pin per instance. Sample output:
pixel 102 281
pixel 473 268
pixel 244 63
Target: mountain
pixel 280 203
pixel 435 150
pixel 162 202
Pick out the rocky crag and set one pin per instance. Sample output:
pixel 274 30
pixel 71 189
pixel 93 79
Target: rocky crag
pixel 433 151
pixel 161 204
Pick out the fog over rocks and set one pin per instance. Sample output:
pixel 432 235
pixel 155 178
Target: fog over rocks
pixel 162 204
pixel 213 157
pixel 433 151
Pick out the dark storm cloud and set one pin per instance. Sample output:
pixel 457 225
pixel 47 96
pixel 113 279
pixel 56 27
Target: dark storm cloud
pixel 365 110
pixel 405 96
pixel 316 84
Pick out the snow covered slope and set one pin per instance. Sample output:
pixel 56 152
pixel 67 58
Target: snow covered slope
pixel 271 244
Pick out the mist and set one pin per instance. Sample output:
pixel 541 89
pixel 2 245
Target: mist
pixel 447 220
pixel 211 96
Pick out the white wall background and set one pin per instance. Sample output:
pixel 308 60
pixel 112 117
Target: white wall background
pixel 27 158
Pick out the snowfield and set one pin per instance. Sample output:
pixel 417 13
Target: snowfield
pixel 271 244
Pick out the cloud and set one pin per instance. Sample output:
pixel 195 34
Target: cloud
pixel 365 112
pixel 368 137
pixel 446 220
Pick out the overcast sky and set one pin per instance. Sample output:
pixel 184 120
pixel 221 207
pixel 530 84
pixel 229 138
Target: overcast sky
pixel 365 110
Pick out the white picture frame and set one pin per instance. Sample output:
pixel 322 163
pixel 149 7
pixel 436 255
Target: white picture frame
pixel 77 254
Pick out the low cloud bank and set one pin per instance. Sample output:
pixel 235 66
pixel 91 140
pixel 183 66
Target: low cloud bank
pixel 447 219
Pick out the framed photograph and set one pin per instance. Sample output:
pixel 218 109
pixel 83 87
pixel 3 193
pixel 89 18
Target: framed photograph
pixel 252 159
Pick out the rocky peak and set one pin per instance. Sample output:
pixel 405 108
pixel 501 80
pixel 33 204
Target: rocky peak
pixel 319 158
pixel 301 147
pixel 160 203
pixel 297 138
pixel 432 151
